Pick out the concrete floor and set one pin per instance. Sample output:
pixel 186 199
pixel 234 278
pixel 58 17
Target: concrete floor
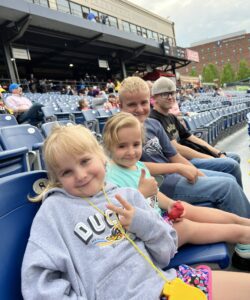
pixel 238 142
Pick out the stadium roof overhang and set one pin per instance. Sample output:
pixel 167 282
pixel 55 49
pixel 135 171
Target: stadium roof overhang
pixel 55 40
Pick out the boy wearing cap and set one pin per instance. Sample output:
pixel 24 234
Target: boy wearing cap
pixel 22 107
pixel 164 93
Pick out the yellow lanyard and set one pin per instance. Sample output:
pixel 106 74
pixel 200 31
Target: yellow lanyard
pixel 175 289
pixel 119 225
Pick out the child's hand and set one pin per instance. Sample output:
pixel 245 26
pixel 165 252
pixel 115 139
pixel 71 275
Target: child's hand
pixel 147 186
pixel 176 212
pixel 125 213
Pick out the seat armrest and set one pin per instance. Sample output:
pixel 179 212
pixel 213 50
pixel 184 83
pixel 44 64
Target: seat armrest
pixel 37 146
pixel 13 152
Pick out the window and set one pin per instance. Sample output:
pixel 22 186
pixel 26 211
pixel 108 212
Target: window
pixel 76 9
pixel 171 41
pixel 155 36
pixel 150 34
pixel 85 11
pixel 144 32
pixel 63 6
pixel 41 2
pixel 161 37
pixel 133 28
pixel 112 21
pixel 125 26
pixel 138 28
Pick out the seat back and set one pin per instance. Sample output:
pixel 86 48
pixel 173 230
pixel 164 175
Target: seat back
pixel 16 216
pixel 13 161
pixel 90 120
pixel 47 127
pixel 24 135
pixel 7 120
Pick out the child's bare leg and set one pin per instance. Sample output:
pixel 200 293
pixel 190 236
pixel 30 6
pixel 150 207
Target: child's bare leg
pixel 230 285
pixel 212 215
pixel 205 233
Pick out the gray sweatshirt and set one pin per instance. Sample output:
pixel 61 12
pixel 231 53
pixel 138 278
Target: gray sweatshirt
pixel 74 252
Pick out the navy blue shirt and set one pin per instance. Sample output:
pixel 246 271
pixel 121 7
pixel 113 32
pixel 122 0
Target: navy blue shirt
pixel 158 148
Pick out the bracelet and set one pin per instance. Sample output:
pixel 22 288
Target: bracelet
pixel 221 153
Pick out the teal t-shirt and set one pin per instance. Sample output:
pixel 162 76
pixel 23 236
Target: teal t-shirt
pixel 123 177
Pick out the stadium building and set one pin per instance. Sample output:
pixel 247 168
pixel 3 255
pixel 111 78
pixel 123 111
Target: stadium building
pixel 67 39
pixel 230 48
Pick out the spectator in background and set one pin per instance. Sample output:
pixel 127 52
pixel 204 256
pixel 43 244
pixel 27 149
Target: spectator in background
pixel 22 107
pixel 110 86
pixel 117 84
pixel 104 19
pixel 91 16
pixel 3 109
pixel 2 90
pixel 83 104
pixel 111 103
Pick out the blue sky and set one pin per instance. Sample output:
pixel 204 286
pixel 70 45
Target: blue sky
pixel 197 20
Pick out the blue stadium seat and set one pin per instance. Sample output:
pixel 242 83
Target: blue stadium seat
pixel 24 135
pixel 199 254
pixel 90 120
pixel 13 161
pixel 16 216
pixel 7 120
pixel 47 127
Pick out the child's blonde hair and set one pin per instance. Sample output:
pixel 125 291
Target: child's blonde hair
pixel 114 124
pixel 70 140
pixel 131 85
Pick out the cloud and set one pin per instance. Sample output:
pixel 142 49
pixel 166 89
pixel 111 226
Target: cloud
pixel 197 20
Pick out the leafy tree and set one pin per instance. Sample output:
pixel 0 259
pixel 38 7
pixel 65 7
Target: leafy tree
pixel 243 71
pixel 214 71
pixel 207 74
pixel 210 73
pixel 193 72
pixel 228 74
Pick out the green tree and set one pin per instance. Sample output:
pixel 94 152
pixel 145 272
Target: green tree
pixel 207 74
pixel 210 73
pixel 193 72
pixel 228 74
pixel 214 71
pixel 243 71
